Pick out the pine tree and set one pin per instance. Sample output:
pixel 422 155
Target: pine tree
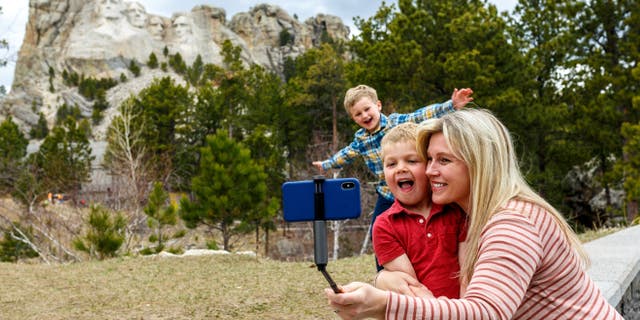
pixel 160 214
pixel 152 63
pixel 105 235
pixel 13 147
pixel 13 144
pixel 65 156
pixel 227 188
pixel 134 68
pixel 41 129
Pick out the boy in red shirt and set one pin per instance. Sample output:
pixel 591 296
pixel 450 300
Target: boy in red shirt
pixel 415 236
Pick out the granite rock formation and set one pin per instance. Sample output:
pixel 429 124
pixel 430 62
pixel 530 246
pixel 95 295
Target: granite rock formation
pixel 100 38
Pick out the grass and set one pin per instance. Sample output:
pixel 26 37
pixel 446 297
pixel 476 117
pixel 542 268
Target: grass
pixel 590 235
pixel 207 287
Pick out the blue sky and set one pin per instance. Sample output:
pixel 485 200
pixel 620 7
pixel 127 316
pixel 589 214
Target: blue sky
pixel 15 14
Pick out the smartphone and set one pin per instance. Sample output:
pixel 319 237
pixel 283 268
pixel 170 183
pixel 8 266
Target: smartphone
pixel 341 199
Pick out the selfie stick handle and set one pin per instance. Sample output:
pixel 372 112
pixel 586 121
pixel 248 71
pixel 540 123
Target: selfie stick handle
pixel 319 223
pixel 320 232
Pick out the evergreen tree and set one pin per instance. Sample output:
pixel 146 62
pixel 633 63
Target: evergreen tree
pixel 418 54
pixel 163 106
pixel 267 152
pixel 602 85
pixel 177 63
pixel 161 103
pixel 30 187
pixel 232 86
pixel 105 235
pixel 286 38
pixel 41 129
pixel 314 101
pixel 152 63
pixel 134 68
pixel 544 30
pixel 13 144
pixel 13 147
pixel 66 111
pixel 226 189
pixel 52 74
pixel 630 166
pixel 65 157
pixel 195 71
pixel 160 214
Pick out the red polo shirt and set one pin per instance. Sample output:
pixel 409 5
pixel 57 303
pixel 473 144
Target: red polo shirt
pixel 430 243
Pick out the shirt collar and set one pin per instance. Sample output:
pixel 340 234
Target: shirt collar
pixel 397 208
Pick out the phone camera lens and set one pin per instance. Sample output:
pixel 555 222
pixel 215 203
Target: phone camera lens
pixel 348 185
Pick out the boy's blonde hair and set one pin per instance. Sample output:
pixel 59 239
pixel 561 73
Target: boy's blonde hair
pixel 404 132
pixel 356 93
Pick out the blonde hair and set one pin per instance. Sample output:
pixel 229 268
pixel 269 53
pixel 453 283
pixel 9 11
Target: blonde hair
pixel 404 132
pixel 356 93
pixel 478 138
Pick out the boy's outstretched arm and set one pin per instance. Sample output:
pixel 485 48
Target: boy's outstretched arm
pixel 461 97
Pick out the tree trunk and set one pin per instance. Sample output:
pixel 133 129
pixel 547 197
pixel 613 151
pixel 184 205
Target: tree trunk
pixel 336 238
pixel 266 243
pixel 225 236
pixel 365 243
pixel 257 238
pixel 632 211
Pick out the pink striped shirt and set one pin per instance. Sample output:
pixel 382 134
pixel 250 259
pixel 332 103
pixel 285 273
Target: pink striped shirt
pixel 525 270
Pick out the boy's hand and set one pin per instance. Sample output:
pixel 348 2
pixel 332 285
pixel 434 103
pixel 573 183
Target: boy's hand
pixel 318 164
pixel 400 282
pixel 461 97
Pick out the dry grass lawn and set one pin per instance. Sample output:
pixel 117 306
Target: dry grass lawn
pixel 207 287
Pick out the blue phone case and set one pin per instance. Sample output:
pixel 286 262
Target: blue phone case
pixel 341 199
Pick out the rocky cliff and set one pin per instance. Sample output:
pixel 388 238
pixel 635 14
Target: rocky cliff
pixel 100 38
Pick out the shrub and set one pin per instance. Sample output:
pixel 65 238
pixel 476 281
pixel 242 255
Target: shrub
pixel 105 235
pixel 12 250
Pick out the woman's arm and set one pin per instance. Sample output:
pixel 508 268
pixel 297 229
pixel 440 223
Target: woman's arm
pixel 509 253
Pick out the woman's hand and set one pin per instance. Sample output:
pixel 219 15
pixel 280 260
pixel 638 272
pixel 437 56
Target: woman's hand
pixel 359 301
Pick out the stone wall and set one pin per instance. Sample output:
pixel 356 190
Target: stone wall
pixel 615 268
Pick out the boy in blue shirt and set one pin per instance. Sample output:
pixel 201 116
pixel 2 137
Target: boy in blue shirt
pixel 362 104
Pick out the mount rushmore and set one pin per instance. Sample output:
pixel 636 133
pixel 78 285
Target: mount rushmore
pixel 100 38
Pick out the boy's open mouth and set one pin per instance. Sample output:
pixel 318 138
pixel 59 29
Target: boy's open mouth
pixel 405 184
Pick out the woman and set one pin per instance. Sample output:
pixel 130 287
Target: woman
pixel 523 260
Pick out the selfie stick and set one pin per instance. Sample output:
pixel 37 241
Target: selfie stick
pixel 320 232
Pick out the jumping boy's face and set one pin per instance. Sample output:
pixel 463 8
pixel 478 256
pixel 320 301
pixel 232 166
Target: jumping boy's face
pixel 404 172
pixel 366 113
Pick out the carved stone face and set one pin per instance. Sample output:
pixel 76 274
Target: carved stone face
pixel 182 28
pixel 156 28
pixel 110 9
pixel 136 15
